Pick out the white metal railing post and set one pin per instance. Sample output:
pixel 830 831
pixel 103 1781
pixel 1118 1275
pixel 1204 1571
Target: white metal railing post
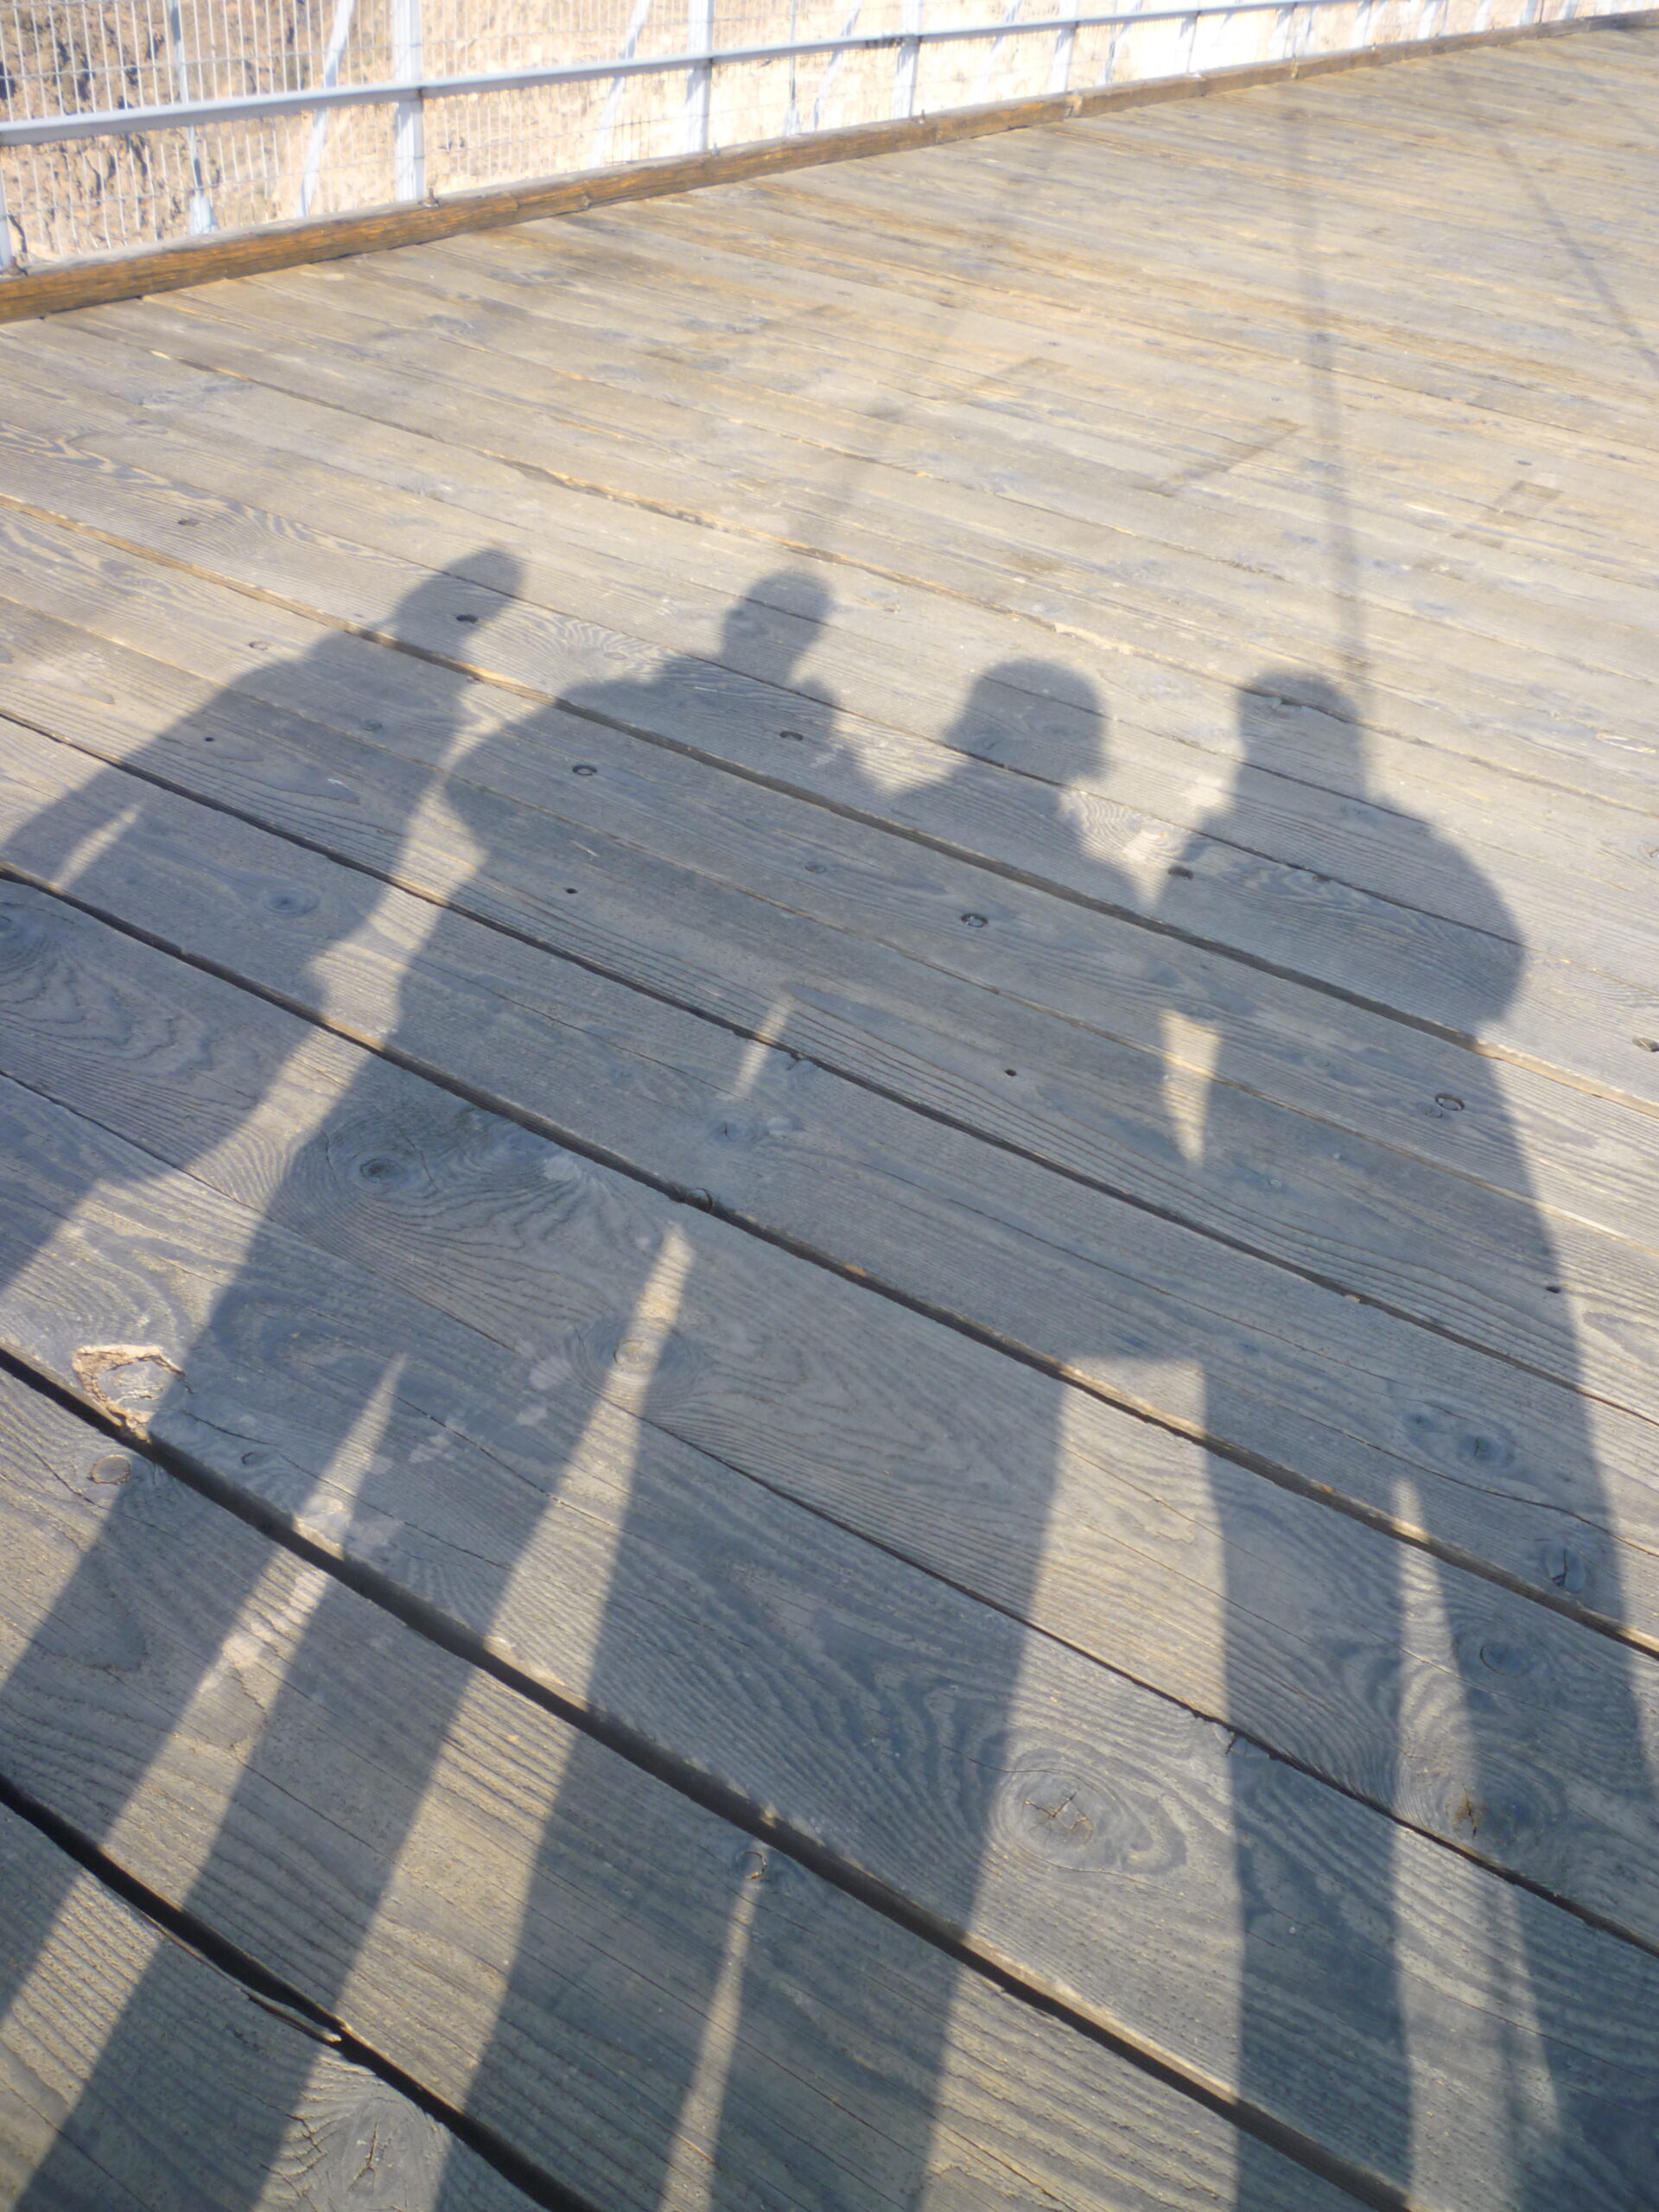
pixel 988 66
pixel 8 258
pixel 792 113
pixel 201 208
pixel 339 31
pixel 600 152
pixel 408 119
pixel 1060 74
pixel 910 53
pixel 826 83
pixel 1115 47
pixel 699 83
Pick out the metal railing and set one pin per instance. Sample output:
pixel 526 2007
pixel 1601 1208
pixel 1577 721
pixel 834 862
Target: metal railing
pixel 129 123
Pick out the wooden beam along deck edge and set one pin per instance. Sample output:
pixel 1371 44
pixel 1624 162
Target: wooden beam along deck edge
pixel 281 245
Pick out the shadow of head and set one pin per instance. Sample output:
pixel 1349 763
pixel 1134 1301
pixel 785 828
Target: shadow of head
pixel 769 631
pixel 443 608
pixel 1302 725
pixel 1306 728
pixel 1039 717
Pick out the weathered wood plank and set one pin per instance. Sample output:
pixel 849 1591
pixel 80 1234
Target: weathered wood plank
pixel 59 807
pixel 350 688
pixel 1217 565
pixel 221 2103
pixel 1349 1213
pixel 967 532
pixel 526 1924
pixel 1198 322
pixel 1221 321
pixel 267 1166
pixel 146 892
pixel 1146 762
pixel 1375 156
pixel 698 331
pixel 1213 297
pixel 1218 1908
pixel 1580 1020
pixel 1399 958
pixel 255 1106
pixel 849 292
pixel 1578 124
pixel 896 655
pixel 1244 528
pixel 653 265
pixel 1072 389
pixel 1362 298
pixel 1261 248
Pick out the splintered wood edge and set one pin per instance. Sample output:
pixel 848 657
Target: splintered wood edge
pixel 281 245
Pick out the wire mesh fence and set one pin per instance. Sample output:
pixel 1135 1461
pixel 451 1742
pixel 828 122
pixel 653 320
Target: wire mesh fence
pixel 132 123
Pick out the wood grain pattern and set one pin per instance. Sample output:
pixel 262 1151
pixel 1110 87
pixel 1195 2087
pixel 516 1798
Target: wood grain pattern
pixel 1578 1020
pixel 1320 1600
pixel 1217 522
pixel 1358 1399
pixel 1121 1849
pixel 224 2104
pixel 861 971
pixel 523 1922
pixel 666 579
pixel 515 292
pixel 1396 346
pixel 973 545
pixel 999 344
pixel 1197 552
pixel 558 863
pixel 207 631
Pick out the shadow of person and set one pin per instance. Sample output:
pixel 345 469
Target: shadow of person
pixel 1463 1760
pixel 1047 723
pixel 335 1423
pixel 646 1340
pixel 211 1079
pixel 766 637
pixel 1052 718
pixel 634 1343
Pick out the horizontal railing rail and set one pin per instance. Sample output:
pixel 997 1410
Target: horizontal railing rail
pixel 103 123
pixel 130 125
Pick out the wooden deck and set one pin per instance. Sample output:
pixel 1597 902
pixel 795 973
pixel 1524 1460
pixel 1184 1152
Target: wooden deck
pixel 830 1201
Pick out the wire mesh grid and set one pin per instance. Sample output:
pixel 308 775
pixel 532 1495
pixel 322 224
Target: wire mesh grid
pixel 59 59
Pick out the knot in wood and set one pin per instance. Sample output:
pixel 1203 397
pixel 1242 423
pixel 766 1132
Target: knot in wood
pixel 290 900
pixel 22 932
pixel 1074 1820
pixel 1565 1567
pixel 380 1169
pixel 1452 1437
pixel 126 1382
